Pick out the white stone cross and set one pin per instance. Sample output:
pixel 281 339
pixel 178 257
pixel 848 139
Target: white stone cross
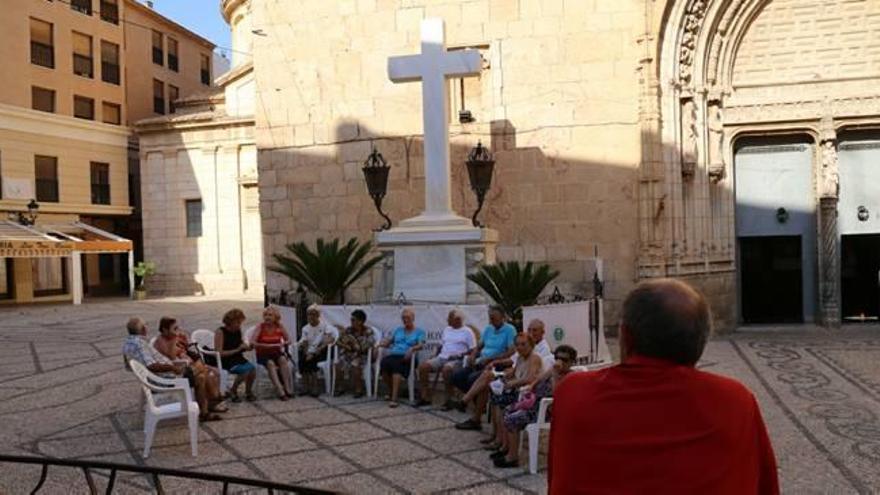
pixel 432 67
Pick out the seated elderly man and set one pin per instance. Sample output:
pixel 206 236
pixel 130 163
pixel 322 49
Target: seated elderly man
pixel 496 344
pixel 137 348
pixel 654 423
pixel 457 341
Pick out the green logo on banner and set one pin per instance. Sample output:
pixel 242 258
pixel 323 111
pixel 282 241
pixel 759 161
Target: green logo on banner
pixel 558 334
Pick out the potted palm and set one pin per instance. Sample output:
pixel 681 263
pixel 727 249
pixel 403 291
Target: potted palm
pixel 513 286
pixel 329 269
pixel 143 270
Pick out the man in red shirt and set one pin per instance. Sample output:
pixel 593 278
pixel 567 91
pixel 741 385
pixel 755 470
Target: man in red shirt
pixel 655 424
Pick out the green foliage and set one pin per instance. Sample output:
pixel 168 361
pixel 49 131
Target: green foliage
pixel 144 270
pixel 513 286
pixel 328 270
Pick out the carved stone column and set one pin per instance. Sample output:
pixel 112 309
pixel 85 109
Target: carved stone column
pixel 829 254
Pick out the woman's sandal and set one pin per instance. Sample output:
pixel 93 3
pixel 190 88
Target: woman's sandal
pixel 487 440
pixel 250 397
pixel 392 404
pixel 218 408
pixel 204 418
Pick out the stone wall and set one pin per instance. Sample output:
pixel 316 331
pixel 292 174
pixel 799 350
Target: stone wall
pixel 557 102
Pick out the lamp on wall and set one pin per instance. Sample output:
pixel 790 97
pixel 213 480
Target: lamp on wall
pixel 781 215
pixel 30 217
pixel 480 165
pixel 376 176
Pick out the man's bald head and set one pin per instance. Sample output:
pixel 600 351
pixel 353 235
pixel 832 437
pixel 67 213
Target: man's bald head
pixel 666 319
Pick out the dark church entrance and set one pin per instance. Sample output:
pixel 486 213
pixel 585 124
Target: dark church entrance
pixel 771 279
pixel 860 277
pixel 775 230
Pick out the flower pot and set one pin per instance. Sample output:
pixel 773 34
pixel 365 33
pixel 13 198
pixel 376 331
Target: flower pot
pixel 140 295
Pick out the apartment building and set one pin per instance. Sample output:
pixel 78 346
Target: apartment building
pixel 76 75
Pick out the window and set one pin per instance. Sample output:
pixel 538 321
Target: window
pixel 84 6
pixel 100 183
pixel 42 48
pixel 111 113
pixel 49 276
pixel 172 55
pixel 46 168
pixel 110 11
pixel 82 55
pixel 194 218
pixel 173 95
pixel 158 97
pixel 83 108
pixel 6 280
pixel 158 54
pixel 109 62
pixel 206 70
pixel 42 99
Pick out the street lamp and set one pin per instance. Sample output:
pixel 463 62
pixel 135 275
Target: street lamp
pixel 376 176
pixel 480 165
pixel 30 217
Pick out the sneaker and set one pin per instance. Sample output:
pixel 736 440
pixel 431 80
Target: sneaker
pixel 469 425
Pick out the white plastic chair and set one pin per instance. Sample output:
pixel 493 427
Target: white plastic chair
pixel 533 431
pixel 252 356
pixel 328 369
pixel 204 340
pixel 410 381
pixel 185 405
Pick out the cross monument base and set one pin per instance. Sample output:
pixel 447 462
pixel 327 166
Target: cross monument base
pixel 430 262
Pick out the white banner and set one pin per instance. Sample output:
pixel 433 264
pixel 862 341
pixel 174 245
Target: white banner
pixel 429 317
pixel 569 323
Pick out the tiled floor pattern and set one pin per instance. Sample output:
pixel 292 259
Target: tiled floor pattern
pixel 66 395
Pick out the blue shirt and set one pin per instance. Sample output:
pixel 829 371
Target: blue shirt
pixel 402 341
pixel 497 341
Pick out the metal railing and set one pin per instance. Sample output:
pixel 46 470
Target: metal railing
pixel 89 469
pixel 100 194
pixel 110 12
pixel 172 62
pixel 42 54
pixel 110 72
pixel 84 6
pixel 82 66
pixel 158 56
pixel 159 105
pixel 47 190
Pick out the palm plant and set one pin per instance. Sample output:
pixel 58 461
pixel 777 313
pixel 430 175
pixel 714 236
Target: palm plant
pixel 328 270
pixel 513 286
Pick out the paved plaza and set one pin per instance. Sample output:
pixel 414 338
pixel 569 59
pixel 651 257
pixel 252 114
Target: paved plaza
pixel 65 394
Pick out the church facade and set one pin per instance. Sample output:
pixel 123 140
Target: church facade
pixel 733 143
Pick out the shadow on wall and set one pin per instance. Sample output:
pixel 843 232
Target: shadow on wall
pixel 547 207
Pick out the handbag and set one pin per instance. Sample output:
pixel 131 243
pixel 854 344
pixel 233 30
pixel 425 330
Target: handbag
pixel 526 401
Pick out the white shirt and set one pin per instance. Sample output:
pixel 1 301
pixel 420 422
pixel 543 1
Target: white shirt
pixel 317 335
pixel 457 342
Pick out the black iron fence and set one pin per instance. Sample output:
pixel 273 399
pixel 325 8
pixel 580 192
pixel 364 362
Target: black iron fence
pixel 155 474
pixel 42 54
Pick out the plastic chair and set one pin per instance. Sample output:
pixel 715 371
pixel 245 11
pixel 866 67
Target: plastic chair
pixel 184 405
pixel 533 431
pixel 204 340
pixel 410 381
pixel 252 356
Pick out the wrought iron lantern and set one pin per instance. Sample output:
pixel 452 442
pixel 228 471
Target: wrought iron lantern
pixel 480 165
pixel 376 176
pixel 30 217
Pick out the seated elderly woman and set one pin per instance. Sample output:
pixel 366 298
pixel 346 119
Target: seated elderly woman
pixel 403 344
pixel 505 391
pixel 353 345
pixel 270 340
pixel 230 344
pixel 525 411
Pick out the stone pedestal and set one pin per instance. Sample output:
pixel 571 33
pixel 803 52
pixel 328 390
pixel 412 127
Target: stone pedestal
pixel 431 263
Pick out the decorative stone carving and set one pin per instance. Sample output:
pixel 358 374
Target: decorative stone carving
pixel 695 12
pixel 689 150
pixel 829 180
pixel 716 141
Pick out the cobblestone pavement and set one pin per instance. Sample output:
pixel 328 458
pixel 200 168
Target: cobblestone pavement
pixel 65 394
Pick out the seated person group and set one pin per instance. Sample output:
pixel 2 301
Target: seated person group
pixel 663 332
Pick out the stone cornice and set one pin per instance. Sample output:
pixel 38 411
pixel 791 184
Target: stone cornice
pixel 227 7
pixel 18 119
